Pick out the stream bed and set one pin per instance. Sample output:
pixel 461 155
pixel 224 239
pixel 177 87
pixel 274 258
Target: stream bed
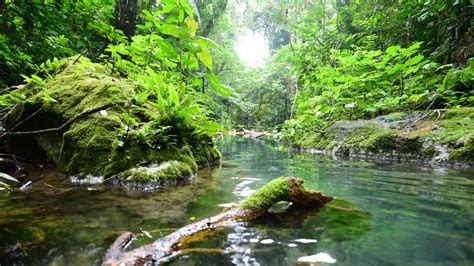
pixel 391 214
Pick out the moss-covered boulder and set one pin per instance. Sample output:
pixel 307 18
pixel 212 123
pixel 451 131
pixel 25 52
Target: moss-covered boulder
pixel 96 144
pixel 440 136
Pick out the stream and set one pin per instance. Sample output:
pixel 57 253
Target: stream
pixel 399 213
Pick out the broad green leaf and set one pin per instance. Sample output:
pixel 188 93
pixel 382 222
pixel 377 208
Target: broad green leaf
pixel 393 49
pixel 192 25
pixel 147 14
pixel 207 42
pixel 216 86
pixel 415 60
pixel 169 29
pixel 173 98
pixel 142 96
pixel 204 55
pixel 8 177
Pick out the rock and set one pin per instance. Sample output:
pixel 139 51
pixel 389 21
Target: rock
pixel 439 136
pixel 95 144
pixel 320 257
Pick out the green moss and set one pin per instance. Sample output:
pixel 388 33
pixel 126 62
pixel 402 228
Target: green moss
pixel 51 144
pixel 189 160
pixel 205 154
pixel 85 147
pixel 82 86
pixel 429 151
pixel 89 146
pixel 134 153
pixel 455 124
pixel 463 113
pixel 317 140
pixel 170 170
pixel 464 153
pixel 264 198
pixel 369 137
pixel 415 135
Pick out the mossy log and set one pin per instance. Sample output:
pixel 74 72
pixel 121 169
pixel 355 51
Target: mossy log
pixel 281 189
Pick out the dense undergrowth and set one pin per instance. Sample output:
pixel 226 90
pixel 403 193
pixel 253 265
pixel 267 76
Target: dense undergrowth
pixel 150 88
pixel 339 60
pixel 331 61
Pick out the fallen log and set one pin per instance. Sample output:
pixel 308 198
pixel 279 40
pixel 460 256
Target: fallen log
pixel 281 189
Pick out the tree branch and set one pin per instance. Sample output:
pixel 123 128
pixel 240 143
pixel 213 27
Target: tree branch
pixel 284 188
pixel 60 128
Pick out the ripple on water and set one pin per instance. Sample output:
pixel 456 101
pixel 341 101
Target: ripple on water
pixel 399 214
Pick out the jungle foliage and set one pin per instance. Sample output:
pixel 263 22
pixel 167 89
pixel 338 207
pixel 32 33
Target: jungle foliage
pixel 330 60
pixel 357 59
pixel 333 60
pixel 163 56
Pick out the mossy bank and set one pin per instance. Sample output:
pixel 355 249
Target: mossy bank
pixel 100 143
pixel 444 136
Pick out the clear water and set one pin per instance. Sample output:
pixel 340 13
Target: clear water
pixel 386 214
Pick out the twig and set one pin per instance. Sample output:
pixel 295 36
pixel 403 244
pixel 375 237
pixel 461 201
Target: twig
pixel 62 127
pixel 205 251
pixel 431 104
pixel 323 130
pixel 24 120
pixel 57 72
pixel 9 112
pixel 73 62
pixel 439 115
pixel 427 115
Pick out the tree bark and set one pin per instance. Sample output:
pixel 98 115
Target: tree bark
pixel 280 189
pixel 126 12
pixel 4 17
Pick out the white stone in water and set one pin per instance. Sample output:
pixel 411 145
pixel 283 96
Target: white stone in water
pixel 244 183
pixel 88 179
pixel 267 241
pixel 320 257
pixel 246 192
pixel 292 245
pixel 249 178
pixel 253 240
pixel 227 205
pixel 306 240
pixel 146 233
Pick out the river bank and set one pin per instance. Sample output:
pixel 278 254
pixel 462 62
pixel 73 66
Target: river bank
pixel 441 137
pixel 60 222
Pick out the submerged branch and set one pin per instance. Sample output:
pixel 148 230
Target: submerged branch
pixel 280 189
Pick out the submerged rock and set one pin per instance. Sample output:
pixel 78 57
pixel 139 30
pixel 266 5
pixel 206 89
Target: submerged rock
pixel 439 136
pixel 318 258
pixel 95 145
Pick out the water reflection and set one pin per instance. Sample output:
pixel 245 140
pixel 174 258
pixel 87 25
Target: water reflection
pixel 391 214
pixel 399 213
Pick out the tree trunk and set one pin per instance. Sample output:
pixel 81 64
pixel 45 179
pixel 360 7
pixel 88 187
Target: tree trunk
pixel 3 17
pixel 281 189
pixel 126 12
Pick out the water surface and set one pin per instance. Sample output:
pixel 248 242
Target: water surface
pixel 386 214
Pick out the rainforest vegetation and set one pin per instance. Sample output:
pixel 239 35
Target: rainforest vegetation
pixel 172 74
pixel 137 94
